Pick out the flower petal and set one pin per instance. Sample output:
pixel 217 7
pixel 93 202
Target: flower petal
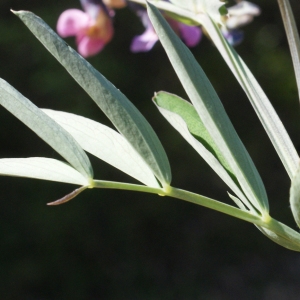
pixel 92 8
pixel 244 8
pixel 88 46
pixel 71 22
pixel 234 36
pixel 144 42
pixel 115 3
pixel 191 35
pixel 241 14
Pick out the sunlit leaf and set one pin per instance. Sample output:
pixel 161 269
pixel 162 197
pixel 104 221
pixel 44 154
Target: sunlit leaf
pixel 292 36
pixel 41 168
pixel 211 111
pixel 295 197
pixel 48 130
pixel 187 112
pixel 184 118
pixel 123 114
pixel 261 104
pixel 106 144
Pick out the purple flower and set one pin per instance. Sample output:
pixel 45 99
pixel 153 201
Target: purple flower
pixel 92 28
pixel 191 35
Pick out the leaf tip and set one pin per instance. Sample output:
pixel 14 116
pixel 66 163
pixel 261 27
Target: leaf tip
pixel 68 197
pixel 16 12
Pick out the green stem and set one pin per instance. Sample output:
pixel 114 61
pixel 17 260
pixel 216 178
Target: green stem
pixel 102 184
pixel 276 231
pixel 186 196
pixel 216 205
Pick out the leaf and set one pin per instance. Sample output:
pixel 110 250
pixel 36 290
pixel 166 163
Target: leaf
pixel 261 104
pixel 187 112
pixel 295 196
pixel 184 118
pixel 48 130
pixel 106 144
pixel 292 36
pixel 211 111
pixel 214 8
pixel 122 113
pixel 282 235
pixel 237 201
pixel 42 168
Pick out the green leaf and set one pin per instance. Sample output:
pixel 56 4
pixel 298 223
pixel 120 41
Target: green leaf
pixel 122 113
pixel 195 125
pixel 282 235
pixel 292 36
pixel 214 8
pixel 48 130
pixel 295 196
pixel 106 144
pixel 41 168
pixel 185 119
pixel 211 111
pixel 261 104
pixel 237 201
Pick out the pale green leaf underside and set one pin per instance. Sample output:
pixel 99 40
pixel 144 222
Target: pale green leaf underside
pixel 211 111
pixel 123 114
pixel 295 196
pixel 183 117
pixel 292 36
pixel 41 168
pixel 106 144
pixel 48 130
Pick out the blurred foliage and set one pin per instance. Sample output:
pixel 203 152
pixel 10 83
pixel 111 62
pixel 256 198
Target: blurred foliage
pixel 122 245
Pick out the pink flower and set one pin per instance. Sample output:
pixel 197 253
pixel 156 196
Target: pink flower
pixel 93 28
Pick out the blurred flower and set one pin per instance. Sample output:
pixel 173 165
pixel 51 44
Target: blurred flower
pixel 240 15
pixel 233 36
pixel 191 35
pixel 92 27
pixel 115 3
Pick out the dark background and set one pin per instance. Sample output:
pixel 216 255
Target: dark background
pixel 108 244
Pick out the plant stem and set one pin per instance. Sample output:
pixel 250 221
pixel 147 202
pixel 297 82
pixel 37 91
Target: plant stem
pixel 186 196
pixel 276 231
pixel 102 184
